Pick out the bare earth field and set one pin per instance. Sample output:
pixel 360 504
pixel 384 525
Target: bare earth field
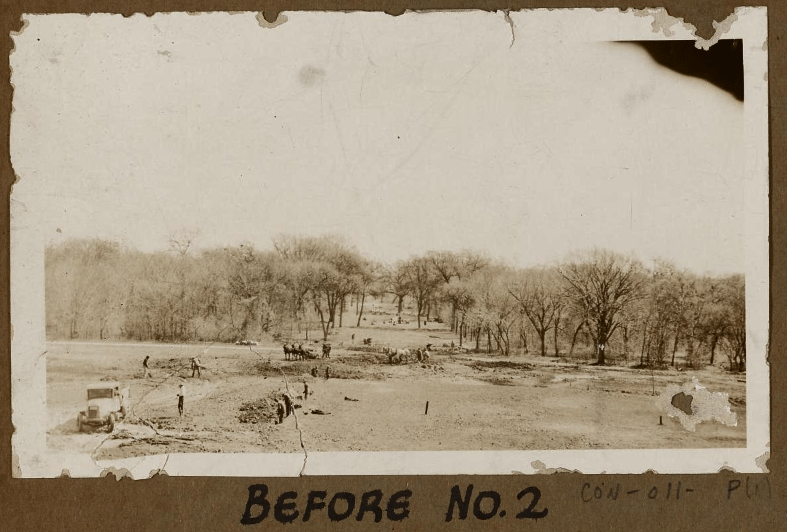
pixel 476 401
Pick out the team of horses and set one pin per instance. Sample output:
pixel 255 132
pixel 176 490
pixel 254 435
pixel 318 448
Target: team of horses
pixel 403 356
pixel 299 352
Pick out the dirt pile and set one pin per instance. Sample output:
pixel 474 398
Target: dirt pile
pixel 158 423
pixel 358 367
pixel 364 349
pixel 342 371
pixel 499 364
pixel 290 369
pixel 262 410
pixel 179 367
pixel 498 381
pixel 364 360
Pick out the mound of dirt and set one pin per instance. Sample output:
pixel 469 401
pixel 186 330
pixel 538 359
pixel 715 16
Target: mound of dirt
pixel 364 349
pixel 260 411
pixel 291 369
pixel 655 367
pixel 172 365
pixel 498 381
pixel 431 367
pixel 497 364
pixel 363 360
pixel 344 372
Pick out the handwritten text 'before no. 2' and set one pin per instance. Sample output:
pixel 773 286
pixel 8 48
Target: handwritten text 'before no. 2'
pixel 374 506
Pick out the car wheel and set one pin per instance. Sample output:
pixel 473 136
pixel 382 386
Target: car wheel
pixel 80 427
pixel 111 422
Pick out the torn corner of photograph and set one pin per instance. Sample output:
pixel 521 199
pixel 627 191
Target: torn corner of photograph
pixel 446 242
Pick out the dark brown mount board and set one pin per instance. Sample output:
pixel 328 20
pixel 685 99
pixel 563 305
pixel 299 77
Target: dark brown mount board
pixel 721 501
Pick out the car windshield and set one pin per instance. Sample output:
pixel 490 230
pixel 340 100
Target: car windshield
pixel 100 393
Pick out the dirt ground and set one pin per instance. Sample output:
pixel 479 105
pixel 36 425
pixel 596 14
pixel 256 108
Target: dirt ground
pixel 475 401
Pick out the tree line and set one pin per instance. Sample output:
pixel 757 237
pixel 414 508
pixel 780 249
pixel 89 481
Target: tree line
pixel 597 302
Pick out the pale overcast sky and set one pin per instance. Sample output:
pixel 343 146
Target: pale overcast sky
pixel 426 131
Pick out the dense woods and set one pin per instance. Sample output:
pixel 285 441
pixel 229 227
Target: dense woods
pixel 597 303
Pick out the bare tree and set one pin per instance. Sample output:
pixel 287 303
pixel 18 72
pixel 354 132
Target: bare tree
pixel 601 284
pixel 734 340
pixel 497 309
pixel 397 282
pixel 536 292
pixel 451 266
pixel 462 297
pixel 422 281
pixel 181 241
pixel 336 269
pixel 370 274
pixel 700 293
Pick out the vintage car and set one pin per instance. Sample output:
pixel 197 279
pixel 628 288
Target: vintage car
pixel 107 403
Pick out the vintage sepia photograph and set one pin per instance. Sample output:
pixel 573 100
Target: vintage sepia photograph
pixel 338 243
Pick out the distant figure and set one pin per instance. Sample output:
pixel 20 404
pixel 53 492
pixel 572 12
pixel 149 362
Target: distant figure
pixel 327 372
pixel 280 411
pixel 287 403
pixel 181 397
pixel 195 367
pixel 305 390
pixel 145 366
pixel 314 372
pixel 353 338
pixel 452 345
pixel 326 350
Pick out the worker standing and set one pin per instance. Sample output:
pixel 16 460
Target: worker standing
pixel 181 398
pixel 288 403
pixel 195 367
pixel 280 411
